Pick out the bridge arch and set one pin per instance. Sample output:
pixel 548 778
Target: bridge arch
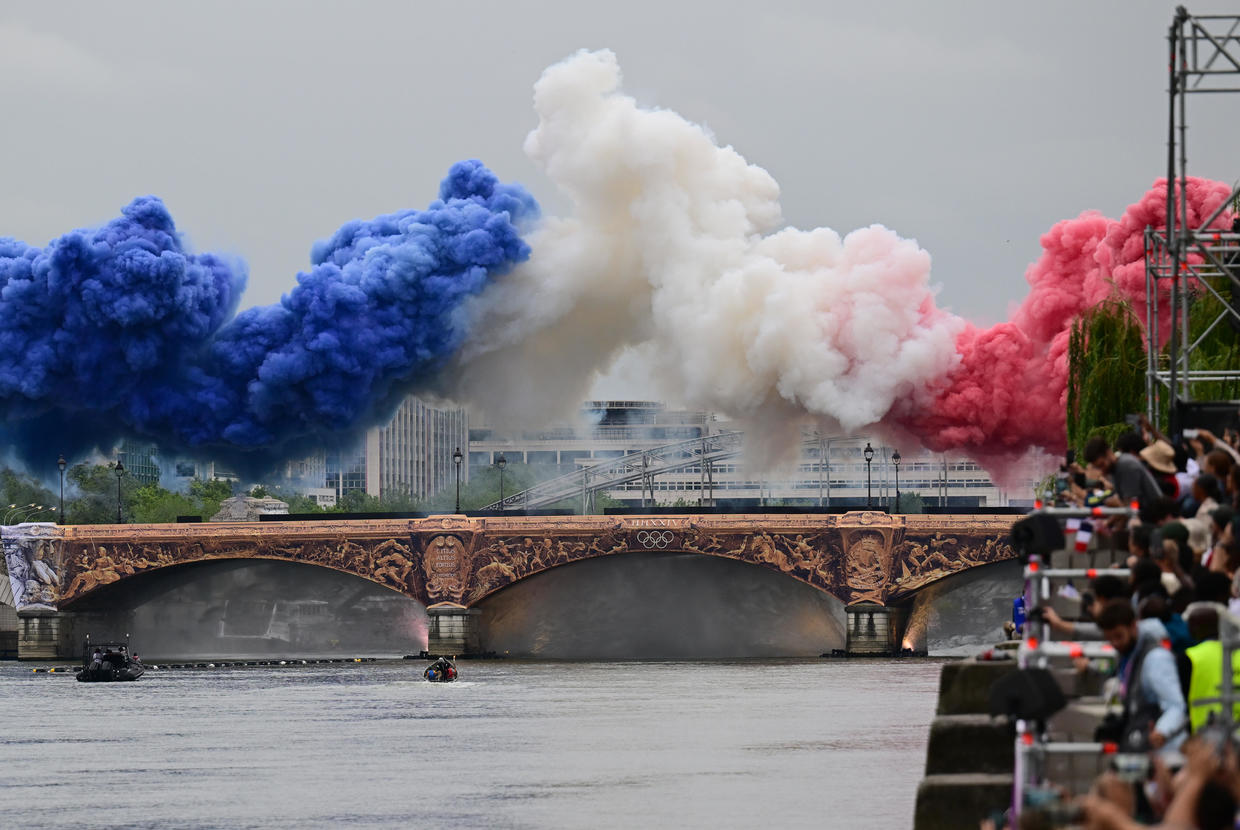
pixel 664 605
pixel 235 606
pixel 488 583
pixel 87 589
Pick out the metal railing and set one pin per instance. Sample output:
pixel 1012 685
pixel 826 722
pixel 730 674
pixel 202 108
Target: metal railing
pixel 645 465
pixel 1034 744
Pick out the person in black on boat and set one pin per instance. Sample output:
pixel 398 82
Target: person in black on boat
pixel 442 667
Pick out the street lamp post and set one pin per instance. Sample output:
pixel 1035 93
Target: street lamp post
pixel 61 463
pixel 820 470
pixel 501 462
pixel 895 459
pixel 119 469
pixel 869 456
pixel 456 459
pixel 15 510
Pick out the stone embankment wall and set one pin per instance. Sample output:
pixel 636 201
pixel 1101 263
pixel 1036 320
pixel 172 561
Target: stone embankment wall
pixel 970 755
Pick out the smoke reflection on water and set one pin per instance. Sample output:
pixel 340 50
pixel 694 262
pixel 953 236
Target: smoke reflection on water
pixel 661 606
pixel 240 608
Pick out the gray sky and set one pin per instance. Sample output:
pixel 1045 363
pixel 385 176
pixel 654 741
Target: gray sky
pixel 971 127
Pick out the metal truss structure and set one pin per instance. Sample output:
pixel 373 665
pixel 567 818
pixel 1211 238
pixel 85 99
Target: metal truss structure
pixel 1194 263
pixel 645 465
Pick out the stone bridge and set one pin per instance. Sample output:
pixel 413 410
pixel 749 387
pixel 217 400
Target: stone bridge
pixel 871 561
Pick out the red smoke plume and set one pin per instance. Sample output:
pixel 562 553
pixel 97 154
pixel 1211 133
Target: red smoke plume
pixel 1009 391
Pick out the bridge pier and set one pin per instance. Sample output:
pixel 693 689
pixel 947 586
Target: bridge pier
pixel 874 630
pixel 44 635
pixel 452 631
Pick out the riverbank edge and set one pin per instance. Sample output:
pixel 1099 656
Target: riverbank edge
pixel 969 755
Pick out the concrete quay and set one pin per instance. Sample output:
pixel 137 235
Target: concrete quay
pixel 969 757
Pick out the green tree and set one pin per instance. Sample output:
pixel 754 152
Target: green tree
pixel 604 500
pixel 911 503
pixel 1107 363
pixel 209 493
pixel 258 491
pixel 298 503
pixel 21 491
pixel 483 488
pixel 358 501
pixel 1106 372
pixel 96 499
pixel 151 503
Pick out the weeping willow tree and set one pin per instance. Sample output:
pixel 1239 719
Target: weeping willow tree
pixel 1107 363
pixel 1106 371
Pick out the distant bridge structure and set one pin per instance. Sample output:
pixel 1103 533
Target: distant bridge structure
pixel 644 465
pixel 872 562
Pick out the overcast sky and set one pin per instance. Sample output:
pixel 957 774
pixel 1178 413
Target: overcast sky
pixel 970 127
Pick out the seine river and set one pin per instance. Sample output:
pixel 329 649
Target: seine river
pixel 514 744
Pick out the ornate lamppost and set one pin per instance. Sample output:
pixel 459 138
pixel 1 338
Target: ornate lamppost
pixel 119 469
pixel 61 463
pixel 895 459
pixel 456 459
pixel 869 456
pixel 501 462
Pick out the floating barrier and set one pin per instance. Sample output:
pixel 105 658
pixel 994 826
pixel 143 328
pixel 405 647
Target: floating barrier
pixel 223 664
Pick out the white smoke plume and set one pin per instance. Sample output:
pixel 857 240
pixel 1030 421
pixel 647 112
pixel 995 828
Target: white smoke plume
pixel 674 247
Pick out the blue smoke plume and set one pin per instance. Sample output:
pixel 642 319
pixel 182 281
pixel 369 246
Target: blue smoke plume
pixel 120 332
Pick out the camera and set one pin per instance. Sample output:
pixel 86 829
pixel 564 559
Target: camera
pixel 1191 433
pixel 1037 614
pixel 1132 419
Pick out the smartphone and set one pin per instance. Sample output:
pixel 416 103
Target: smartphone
pixel 1132 419
pixel 1191 433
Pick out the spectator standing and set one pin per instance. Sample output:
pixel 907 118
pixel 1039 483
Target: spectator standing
pixel 1149 681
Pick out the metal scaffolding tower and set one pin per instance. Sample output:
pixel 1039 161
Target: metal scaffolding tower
pixel 1189 262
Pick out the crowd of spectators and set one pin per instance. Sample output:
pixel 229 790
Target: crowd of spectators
pixel 1163 621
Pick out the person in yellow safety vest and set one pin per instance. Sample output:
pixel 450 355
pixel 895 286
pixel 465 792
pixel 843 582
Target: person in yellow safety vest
pixel 1205 682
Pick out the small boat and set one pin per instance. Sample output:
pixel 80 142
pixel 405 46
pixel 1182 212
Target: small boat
pixel 109 663
pixel 441 671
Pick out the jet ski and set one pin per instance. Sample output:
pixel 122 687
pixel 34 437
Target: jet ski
pixel 109 663
pixel 441 671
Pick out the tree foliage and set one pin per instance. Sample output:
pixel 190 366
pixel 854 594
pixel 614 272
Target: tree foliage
pixel 21 491
pixel 1107 362
pixel 208 493
pixel 911 503
pixel 1106 372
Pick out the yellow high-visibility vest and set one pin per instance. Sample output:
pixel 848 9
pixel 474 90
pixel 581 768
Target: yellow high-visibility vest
pixel 1207 660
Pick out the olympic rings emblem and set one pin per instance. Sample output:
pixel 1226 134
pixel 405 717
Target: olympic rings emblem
pixel 657 539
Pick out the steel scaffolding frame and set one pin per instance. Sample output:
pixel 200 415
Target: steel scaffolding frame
pixel 1204 58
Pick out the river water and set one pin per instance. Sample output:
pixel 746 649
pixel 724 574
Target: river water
pixel 513 744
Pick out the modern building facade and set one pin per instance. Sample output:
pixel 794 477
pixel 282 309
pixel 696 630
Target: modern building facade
pixel 827 471
pixel 410 456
